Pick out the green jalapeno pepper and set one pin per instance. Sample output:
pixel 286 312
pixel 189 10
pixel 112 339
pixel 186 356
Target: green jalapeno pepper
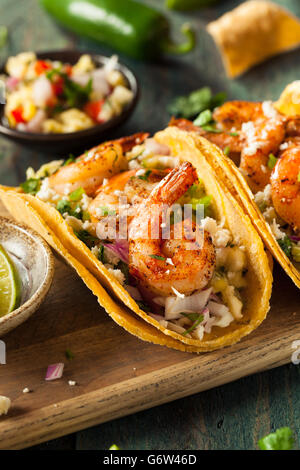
pixel 189 4
pixel 126 25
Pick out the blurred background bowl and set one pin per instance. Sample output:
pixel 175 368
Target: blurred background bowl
pixel 81 140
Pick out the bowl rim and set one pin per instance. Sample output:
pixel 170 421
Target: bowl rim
pixel 98 128
pixel 42 290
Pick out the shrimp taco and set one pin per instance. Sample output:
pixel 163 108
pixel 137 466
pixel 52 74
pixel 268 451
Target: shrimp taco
pixel 127 212
pixel 260 165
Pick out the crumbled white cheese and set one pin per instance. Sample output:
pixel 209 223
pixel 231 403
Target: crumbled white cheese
pixel 252 143
pixel 117 273
pixel 263 197
pixel 140 172
pixel 71 383
pixel 133 165
pixel 26 390
pixel 95 251
pixel 85 202
pixel 284 146
pixel 4 405
pixel 46 193
pixel 86 225
pixel 275 227
pixel 269 110
pixel 220 236
pixel 111 257
pixel 169 261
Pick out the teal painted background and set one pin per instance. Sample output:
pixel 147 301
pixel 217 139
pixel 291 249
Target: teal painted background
pixel 235 415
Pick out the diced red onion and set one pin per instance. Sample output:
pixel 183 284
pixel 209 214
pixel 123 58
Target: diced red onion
pixel 120 248
pixel 215 298
pixel 35 124
pixel 134 292
pixel 100 84
pixel 295 238
pixel 191 304
pixel 152 146
pixel 55 371
pixel 42 91
pixel 11 83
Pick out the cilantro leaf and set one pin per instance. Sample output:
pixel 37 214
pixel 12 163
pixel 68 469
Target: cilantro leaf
pixel 191 105
pixel 69 355
pixel 282 439
pixel 145 176
pixel 194 325
pixel 85 237
pixel 286 245
pixel 226 150
pixel 31 186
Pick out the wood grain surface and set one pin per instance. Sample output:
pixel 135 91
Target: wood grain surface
pixel 231 416
pixel 115 373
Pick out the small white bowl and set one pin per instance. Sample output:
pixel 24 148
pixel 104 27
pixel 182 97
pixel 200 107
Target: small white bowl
pixel 35 263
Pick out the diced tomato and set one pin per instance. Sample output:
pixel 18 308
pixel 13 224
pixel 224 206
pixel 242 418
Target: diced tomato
pixel 68 69
pixel 41 66
pixel 58 85
pixel 17 114
pixel 93 108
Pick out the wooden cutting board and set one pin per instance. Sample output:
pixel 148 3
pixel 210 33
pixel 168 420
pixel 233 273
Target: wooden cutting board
pixel 116 374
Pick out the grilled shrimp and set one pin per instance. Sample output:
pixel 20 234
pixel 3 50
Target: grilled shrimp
pixel 164 265
pixel 263 129
pixel 130 185
pixel 89 170
pixel 285 186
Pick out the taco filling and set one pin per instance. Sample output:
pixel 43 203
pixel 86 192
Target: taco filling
pixel 153 225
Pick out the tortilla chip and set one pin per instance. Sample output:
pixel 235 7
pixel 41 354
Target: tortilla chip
pixel 253 32
pixel 259 276
pixel 289 101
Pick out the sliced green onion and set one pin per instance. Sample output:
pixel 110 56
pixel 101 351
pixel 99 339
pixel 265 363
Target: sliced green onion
pixel 226 150
pixel 205 117
pixel 76 195
pixel 157 257
pixel 272 161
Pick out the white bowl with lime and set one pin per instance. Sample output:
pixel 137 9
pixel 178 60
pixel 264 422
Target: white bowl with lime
pixel 26 273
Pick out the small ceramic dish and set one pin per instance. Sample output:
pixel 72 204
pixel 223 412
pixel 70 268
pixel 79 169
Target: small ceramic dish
pixel 65 143
pixel 34 262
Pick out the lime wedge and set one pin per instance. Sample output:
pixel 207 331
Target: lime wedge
pixel 10 286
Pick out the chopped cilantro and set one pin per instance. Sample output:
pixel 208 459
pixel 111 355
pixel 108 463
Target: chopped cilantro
pixel 143 306
pixel 71 158
pixel 286 245
pixel 191 105
pixel 124 268
pixel 157 257
pixel 106 211
pixel 74 94
pixel 282 439
pixel 145 176
pixel 233 134
pixel 272 161
pixel 69 355
pixel 31 186
pixel 85 237
pixel 101 254
pixel 76 195
pixel 211 128
pixel 226 150
pixel 63 206
pixel 194 325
